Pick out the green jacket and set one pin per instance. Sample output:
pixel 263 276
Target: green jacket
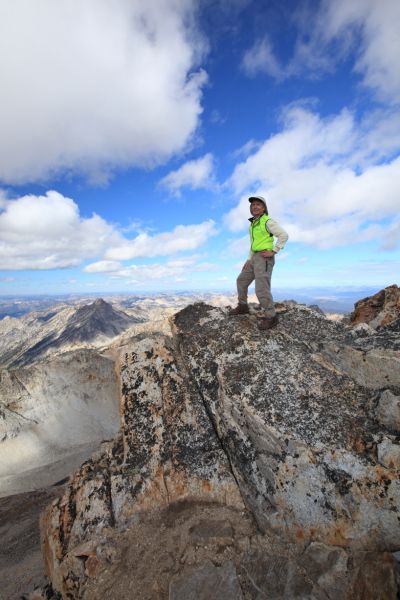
pixel 261 238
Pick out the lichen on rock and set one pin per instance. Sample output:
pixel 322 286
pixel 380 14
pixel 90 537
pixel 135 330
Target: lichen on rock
pixel 260 461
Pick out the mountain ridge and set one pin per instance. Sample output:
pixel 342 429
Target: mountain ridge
pixel 36 335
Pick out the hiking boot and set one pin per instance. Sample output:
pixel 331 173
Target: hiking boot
pixel 267 322
pixel 241 309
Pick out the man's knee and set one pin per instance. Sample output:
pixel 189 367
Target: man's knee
pixel 243 279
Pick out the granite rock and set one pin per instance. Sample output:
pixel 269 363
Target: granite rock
pixel 388 410
pixel 245 458
pixel 205 582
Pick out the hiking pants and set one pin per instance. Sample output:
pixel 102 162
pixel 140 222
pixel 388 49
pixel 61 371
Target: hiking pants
pixel 260 269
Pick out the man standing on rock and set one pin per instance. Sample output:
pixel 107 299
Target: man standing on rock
pixel 260 263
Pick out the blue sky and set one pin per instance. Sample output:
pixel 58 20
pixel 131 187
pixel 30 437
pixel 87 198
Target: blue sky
pixel 132 134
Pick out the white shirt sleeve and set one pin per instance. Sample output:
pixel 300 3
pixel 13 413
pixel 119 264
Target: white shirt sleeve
pixel 279 233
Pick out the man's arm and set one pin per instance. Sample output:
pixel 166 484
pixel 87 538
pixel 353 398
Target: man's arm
pixel 279 233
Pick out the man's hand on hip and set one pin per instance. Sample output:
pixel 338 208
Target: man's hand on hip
pixel 267 253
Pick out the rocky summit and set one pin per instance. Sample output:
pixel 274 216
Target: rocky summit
pixel 248 465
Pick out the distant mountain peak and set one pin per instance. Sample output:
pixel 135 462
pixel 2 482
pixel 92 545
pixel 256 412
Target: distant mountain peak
pixel 91 320
pixel 86 324
pixel 100 302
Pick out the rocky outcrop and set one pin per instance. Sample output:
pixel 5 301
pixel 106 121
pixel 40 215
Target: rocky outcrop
pixel 248 465
pixel 380 309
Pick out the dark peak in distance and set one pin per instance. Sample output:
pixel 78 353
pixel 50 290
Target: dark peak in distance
pixel 92 320
pixel 100 302
pixel 86 324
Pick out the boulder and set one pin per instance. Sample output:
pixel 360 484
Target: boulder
pixel 249 462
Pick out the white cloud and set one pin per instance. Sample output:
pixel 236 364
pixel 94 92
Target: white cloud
pixel 96 85
pixel 237 247
pixel 182 238
pixel 246 149
pixel 378 53
pixel 47 232
pixel 103 266
pixel 321 182
pixel 391 238
pixel 194 174
pixel 365 28
pixel 305 137
pixel 261 58
pixel 172 270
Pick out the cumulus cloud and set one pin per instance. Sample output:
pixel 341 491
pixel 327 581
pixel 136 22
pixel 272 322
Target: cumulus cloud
pixel 94 86
pixel 321 182
pixel 367 28
pixel 380 43
pixel 103 266
pixel 261 58
pixel 171 270
pixel 182 238
pixel 194 174
pixel 48 232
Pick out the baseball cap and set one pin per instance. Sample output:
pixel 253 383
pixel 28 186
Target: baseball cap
pixel 260 199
